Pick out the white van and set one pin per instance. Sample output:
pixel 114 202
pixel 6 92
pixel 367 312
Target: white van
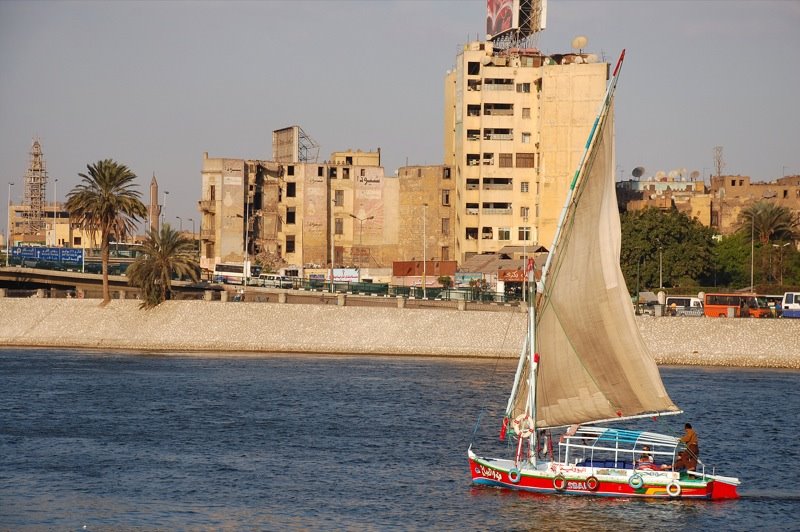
pixel 684 306
pixel 790 305
pixel 274 280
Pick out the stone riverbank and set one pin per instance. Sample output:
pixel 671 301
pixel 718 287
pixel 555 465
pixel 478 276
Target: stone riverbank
pixel 258 328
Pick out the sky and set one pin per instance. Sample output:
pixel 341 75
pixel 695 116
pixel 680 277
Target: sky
pixel 154 85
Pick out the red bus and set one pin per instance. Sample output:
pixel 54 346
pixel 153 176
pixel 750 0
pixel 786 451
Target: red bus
pixel 736 306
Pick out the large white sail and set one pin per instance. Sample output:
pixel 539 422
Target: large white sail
pixel 594 365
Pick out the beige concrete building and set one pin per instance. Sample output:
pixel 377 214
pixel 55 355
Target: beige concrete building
pixel 426 213
pixel 733 193
pixel 296 214
pixel 516 123
pixel 665 192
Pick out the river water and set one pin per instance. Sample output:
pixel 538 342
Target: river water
pixel 109 441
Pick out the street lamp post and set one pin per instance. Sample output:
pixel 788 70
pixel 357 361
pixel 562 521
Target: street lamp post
pixel 424 250
pixel 193 240
pixel 8 224
pixel 180 223
pixel 360 230
pixel 524 258
pixel 752 247
pixel 55 196
pixel 333 230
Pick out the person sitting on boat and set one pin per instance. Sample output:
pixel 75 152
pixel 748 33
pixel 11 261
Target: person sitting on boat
pixel 645 461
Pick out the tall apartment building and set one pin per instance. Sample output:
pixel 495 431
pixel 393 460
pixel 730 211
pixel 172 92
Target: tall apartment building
pixel 515 126
pixel 426 213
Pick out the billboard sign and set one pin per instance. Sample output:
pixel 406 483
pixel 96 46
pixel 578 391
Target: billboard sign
pixel 524 17
pixel 501 16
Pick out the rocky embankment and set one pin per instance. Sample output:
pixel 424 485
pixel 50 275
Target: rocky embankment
pixel 257 328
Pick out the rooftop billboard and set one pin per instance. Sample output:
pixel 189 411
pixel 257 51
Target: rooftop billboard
pixel 523 17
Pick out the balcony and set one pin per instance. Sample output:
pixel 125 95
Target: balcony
pixel 208 205
pixel 207 234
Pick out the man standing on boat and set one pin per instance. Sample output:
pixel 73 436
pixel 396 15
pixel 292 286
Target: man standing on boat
pixel 692 448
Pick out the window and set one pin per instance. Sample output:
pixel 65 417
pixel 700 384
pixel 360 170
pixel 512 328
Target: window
pixel 419 172
pixel 473 134
pixel 212 193
pixel 446 173
pixel 506 160
pixel 290 215
pixel 345 173
pixel 332 173
pixel 445 226
pixel 523 187
pixel 445 253
pixel 473 110
pixel 291 190
pixel 338 226
pixel 445 197
pixel 338 198
pixel 526 112
pixel 348 160
pixel 320 171
pixel 523 87
pixel 363 172
pixel 526 138
pixel 503 233
pixel 290 170
pixel 76 241
pixel 733 182
pixel 473 68
pixel 526 160
pixel 524 233
pixel 289 243
pixel 524 212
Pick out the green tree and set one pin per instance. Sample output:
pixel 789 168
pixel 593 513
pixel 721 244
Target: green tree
pixel 106 202
pixel 446 281
pixel 666 245
pixel 164 253
pixel 731 262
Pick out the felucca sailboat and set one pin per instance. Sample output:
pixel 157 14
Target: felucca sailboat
pixel 581 366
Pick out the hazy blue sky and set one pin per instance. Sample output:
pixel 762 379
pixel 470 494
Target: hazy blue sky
pixel 155 84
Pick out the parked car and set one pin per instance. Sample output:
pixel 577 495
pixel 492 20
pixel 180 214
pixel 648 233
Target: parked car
pixel 684 306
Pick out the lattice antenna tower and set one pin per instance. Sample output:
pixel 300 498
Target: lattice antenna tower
pixel 35 189
pixel 307 148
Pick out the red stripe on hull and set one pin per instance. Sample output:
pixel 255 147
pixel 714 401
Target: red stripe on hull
pixel 552 484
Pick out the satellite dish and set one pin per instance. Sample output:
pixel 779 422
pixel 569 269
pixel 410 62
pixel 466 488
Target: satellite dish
pixel 638 172
pixel 591 58
pixel 683 171
pixel 694 175
pixel 673 174
pixel 486 60
pixel 579 42
pixel 660 174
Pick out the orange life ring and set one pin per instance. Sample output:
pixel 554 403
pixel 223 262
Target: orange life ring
pixel 592 483
pixel 559 482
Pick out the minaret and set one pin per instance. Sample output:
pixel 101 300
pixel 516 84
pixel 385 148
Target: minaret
pixel 35 189
pixel 154 211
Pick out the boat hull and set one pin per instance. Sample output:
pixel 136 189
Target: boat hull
pixel 562 479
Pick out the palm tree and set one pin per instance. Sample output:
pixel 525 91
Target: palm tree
pixel 106 202
pixel 767 221
pixel 164 253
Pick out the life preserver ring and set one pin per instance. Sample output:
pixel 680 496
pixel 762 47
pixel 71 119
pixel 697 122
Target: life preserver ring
pixel 636 481
pixel 522 425
pixel 592 483
pixel 674 489
pixel 559 482
pixel 514 475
